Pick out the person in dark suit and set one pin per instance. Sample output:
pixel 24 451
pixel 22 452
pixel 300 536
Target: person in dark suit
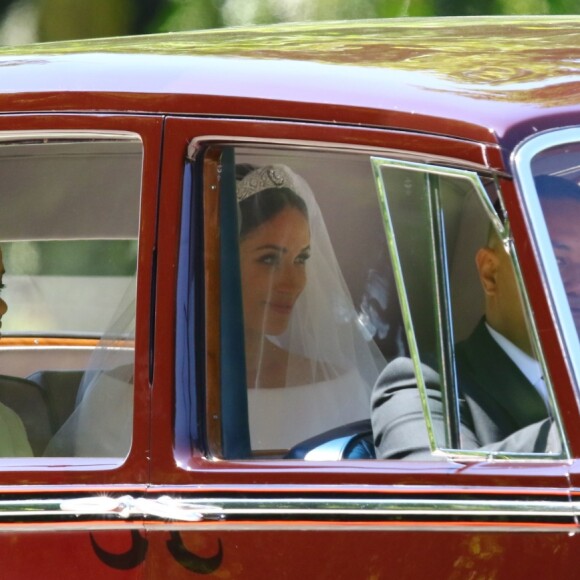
pixel 503 399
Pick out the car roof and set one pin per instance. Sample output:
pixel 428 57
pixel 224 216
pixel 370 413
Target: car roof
pixel 490 79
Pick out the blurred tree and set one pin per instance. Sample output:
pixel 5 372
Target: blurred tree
pixel 187 15
pixel 182 14
pixel 398 8
pixel 146 13
pixel 71 19
pixel 468 7
pixel 4 5
pixel 525 6
pixel 564 6
pixel 77 19
pixel 74 19
pixel 243 12
pixel 332 10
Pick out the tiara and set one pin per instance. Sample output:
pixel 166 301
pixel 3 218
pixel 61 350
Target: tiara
pixel 271 176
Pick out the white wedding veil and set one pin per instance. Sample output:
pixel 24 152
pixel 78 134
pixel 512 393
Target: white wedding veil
pixel 342 361
pixel 101 424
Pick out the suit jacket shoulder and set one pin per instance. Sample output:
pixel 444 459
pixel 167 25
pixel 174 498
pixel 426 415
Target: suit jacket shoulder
pixel 499 397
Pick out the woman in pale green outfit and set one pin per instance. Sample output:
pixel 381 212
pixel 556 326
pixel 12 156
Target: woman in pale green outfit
pixel 13 439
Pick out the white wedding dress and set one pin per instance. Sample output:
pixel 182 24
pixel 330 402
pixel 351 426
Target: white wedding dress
pixel 281 418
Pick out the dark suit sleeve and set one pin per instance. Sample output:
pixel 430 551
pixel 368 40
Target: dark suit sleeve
pixel 398 422
pixel 540 437
pixel 399 427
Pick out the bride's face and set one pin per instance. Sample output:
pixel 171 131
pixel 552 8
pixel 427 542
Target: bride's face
pixel 273 259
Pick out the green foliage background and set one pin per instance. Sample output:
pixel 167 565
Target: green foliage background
pixel 50 20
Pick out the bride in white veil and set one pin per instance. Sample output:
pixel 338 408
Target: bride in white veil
pixel 310 366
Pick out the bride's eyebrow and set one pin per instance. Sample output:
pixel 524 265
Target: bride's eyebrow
pixel 280 249
pixel 272 247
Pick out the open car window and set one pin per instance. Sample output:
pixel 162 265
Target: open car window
pixel 68 235
pixel 353 316
pixel 307 306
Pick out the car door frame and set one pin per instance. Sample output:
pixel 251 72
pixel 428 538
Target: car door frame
pixel 167 469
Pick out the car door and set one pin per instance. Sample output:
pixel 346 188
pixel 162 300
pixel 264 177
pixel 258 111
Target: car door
pixel 546 167
pixel 264 479
pixel 79 200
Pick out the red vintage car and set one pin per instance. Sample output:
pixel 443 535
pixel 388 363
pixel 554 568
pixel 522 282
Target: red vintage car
pixel 189 372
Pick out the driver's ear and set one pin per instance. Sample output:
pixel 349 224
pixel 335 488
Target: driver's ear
pixel 487 262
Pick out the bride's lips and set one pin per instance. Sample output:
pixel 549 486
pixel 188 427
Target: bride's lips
pixel 280 308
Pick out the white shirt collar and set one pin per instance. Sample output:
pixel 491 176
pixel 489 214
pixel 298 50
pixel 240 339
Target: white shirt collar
pixel 528 365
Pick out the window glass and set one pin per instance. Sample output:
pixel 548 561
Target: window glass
pixel 475 371
pixel 372 308
pixel 315 296
pixel 65 288
pixel 556 173
pixel 68 236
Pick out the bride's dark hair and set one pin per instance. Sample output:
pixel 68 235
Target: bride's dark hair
pixel 266 204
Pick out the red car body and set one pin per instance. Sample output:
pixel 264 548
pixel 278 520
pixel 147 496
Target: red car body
pixel 464 92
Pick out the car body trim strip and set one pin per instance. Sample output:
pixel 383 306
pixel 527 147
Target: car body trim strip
pixel 165 508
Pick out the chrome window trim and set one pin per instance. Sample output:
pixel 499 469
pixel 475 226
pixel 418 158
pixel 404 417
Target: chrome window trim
pixel 90 509
pixel 377 164
pixel 264 524
pixel 521 163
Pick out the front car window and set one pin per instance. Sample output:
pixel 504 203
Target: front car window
pixel 474 353
pixel 549 165
pixel 69 228
pixel 556 174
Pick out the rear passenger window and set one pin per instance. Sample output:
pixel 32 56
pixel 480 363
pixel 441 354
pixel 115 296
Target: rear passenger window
pixel 68 235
